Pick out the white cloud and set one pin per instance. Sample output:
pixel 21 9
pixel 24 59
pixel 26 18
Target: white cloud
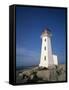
pixel 24 51
pixel 25 57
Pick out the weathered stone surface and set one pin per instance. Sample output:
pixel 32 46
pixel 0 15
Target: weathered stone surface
pixel 43 74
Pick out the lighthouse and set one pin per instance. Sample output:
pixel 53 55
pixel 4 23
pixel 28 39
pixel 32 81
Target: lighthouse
pixel 47 58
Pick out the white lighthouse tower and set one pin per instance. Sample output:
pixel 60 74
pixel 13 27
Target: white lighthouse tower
pixel 46 58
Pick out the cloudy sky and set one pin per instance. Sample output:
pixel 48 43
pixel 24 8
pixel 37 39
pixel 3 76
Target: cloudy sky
pixel 30 23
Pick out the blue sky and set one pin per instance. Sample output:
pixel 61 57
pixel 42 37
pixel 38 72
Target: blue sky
pixel 30 23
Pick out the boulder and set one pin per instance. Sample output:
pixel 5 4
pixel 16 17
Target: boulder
pixel 44 74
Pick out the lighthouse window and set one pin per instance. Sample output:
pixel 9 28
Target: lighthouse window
pixel 45 40
pixel 44 57
pixel 45 48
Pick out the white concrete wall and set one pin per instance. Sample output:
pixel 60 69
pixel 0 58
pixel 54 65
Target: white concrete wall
pixel 48 52
pixel 50 56
pixel 43 62
pixel 55 60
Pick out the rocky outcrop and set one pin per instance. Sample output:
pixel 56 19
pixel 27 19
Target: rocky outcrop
pixel 39 74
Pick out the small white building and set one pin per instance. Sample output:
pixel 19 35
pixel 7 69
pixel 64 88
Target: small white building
pixel 47 58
